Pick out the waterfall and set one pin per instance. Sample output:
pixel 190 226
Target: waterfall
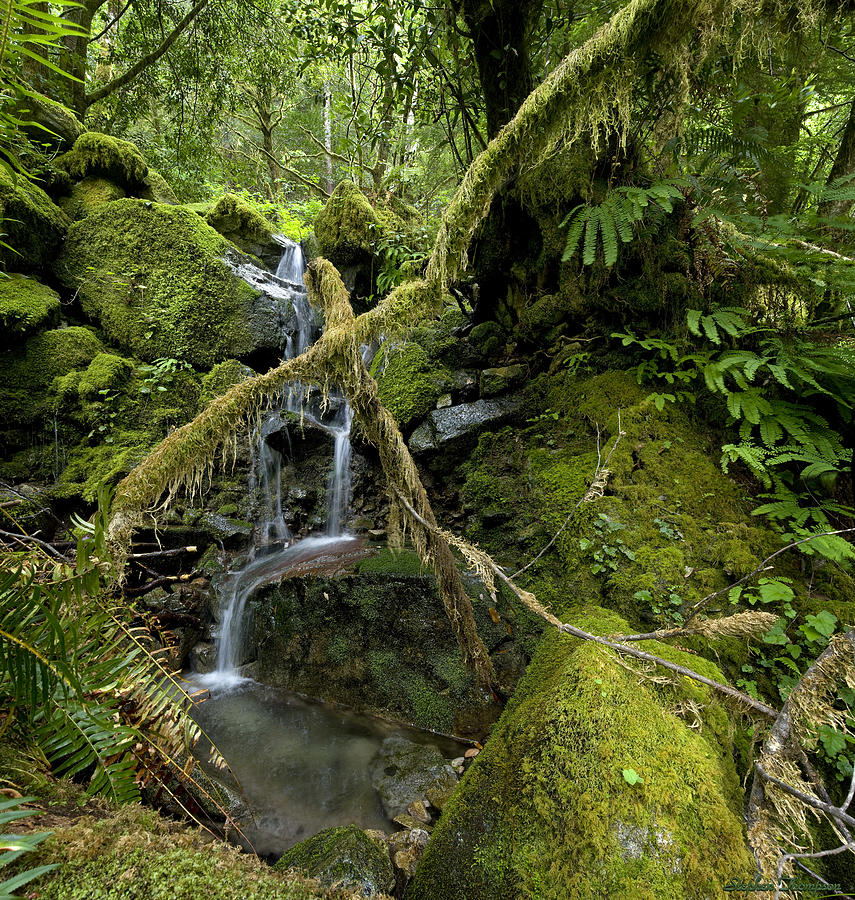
pixel 265 480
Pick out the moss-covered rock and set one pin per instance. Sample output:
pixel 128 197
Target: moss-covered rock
pixel 87 194
pixel 346 227
pixel 107 372
pixel 345 856
pixel 408 385
pixel 29 373
pixel 34 226
pixel 153 276
pixel 157 188
pixel 245 227
pixel 100 155
pixel 223 376
pixel 545 811
pixel 25 306
pixel 47 122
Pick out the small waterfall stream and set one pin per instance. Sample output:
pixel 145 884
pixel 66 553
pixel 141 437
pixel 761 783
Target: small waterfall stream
pixel 273 552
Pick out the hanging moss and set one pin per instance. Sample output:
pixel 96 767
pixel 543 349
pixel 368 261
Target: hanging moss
pixel 545 811
pixel 346 227
pixel 25 306
pixel 153 277
pixel 87 194
pixel 34 226
pixel 96 154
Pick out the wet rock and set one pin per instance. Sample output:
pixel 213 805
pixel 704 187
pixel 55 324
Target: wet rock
pixel 203 657
pixel 458 427
pixel 418 810
pixel 403 771
pixel 225 529
pixel 457 762
pixel 439 793
pixel 488 338
pixel 501 379
pixel 405 820
pixel 348 857
pixel 464 386
pixel 407 848
pixel 444 401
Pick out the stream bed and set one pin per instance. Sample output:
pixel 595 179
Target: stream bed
pixel 303 766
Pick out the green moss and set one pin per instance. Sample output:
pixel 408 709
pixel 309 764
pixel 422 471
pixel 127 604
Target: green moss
pixel 235 219
pixel 25 306
pixel 154 278
pixel 346 856
pixel 46 121
pixel 87 194
pixel 223 376
pixel 408 385
pixel 34 226
pixel 544 812
pixel 106 157
pixel 392 562
pixel 346 227
pixel 29 374
pixel 106 372
pixel 157 188
pixel 134 854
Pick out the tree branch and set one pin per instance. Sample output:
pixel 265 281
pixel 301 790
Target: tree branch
pixel 149 59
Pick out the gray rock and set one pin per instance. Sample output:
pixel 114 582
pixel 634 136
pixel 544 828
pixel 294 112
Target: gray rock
pixel 638 841
pixel 203 657
pixel 403 771
pixel 407 848
pixel 222 528
pixel 458 427
pixel 347 857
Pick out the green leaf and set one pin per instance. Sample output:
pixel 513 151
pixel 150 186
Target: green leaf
pixel 631 777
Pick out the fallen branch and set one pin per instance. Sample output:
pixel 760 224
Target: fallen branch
pixel 156 554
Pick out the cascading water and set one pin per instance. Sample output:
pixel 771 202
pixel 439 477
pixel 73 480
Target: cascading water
pixel 265 479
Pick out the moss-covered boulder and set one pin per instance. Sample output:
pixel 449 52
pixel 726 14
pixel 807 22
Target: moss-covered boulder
pixel 47 122
pixel 157 188
pixel 25 307
pixel 245 227
pixel 34 226
pixel 100 155
pixel 551 808
pixel 345 856
pixel 29 372
pixel 87 194
pixel 409 386
pixel 346 227
pixel 154 278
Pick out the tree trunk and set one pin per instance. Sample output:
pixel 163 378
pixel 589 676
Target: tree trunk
pixel 844 164
pixel 328 135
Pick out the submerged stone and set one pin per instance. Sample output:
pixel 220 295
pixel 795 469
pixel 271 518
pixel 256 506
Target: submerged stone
pixel 347 856
pixel 403 772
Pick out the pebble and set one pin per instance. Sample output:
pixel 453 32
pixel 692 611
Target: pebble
pixel 418 811
pixel 458 761
pixel 471 753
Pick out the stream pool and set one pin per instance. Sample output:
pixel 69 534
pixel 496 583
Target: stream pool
pixel 303 766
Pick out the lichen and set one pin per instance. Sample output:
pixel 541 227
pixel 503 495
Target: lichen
pixel 153 276
pixel 26 306
pixel 346 227
pixel 545 810
pixel 100 155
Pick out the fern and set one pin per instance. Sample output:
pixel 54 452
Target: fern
pixel 611 223
pixel 13 846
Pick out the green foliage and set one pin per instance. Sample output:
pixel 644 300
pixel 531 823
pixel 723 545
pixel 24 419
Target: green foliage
pixel 771 384
pixel 613 221
pixel 14 846
pixel 76 677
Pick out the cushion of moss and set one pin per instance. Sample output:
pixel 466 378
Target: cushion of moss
pixel 25 307
pixel 34 226
pixel 29 372
pixel 157 188
pixel 345 227
pixel 408 385
pixel 101 155
pixel 88 193
pixel 546 812
pixel 222 376
pixel 346 856
pixel 134 854
pixel 235 219
pixel 153 276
